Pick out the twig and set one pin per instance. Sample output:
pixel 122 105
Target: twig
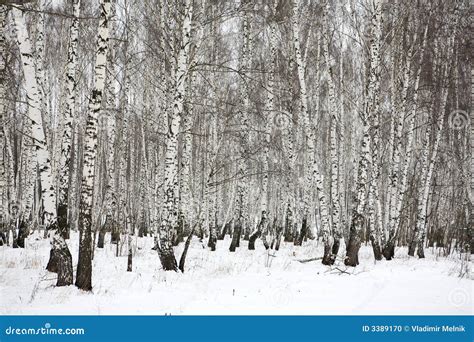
pixel 308 260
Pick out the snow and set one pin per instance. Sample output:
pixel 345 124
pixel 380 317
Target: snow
pixel 235 283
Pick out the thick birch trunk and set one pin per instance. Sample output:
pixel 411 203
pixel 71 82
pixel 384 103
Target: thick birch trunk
pixel 60 257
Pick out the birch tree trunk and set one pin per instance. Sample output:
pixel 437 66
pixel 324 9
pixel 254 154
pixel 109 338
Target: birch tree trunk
pixel 3 108
pixel 358 218
pixel 40 74
pixel 395 174
pixel 270 110
pixel 334 119
pixel 69 115
pixel 84 266
pixel 309 140
pixel 428 168
pixel 170 212
pixel 409 149
pixel 60 257
pixel 313 175
pixel 241 220
pixel 374 220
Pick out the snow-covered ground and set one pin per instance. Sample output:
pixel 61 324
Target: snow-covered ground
pixel 244 282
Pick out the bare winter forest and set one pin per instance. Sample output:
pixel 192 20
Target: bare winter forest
pixel 235 139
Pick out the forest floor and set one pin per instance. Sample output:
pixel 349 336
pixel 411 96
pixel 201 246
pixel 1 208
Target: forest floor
pixel 245 282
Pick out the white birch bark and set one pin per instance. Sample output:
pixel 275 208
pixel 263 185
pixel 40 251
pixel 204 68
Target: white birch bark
pixel 313 176
pixel 270 110
pixel 428 168
pixel 34 114
pixel 336 231
pixel 84 267
pixel 410 133
pixel 3 107
pixel 373 196
pixel 43 159
pixel 395 176
pixel 241 217
pixel 39 63
pixel 68 119
pixel 169 214
pixel 370 106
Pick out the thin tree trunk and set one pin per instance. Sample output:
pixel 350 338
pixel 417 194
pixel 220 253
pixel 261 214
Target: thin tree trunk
pixel 69 115
pixel 358 218
pixel 169 215
pixel 84 266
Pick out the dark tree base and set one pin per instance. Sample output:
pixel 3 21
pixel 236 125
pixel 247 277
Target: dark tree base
pixel 65 276
pixel 412 248
pixel 224 231
pixel 278 240
pixel 178 239
pixel 182 260
pixel 254 238
pixel 389 250
pixel 168 261
pixel 84 265
pixel 352 251
pixel 376 248
pixel 302 234
pixel 22 234
pixel 63 228
pixel 101 238
pixel 235 237
pixel 60 262
pixel 421 250
pixel 212 242
pixel 115 236
pixel 129 262
pixel 328 257
pixel 155 244
pixel 53 263
pixel 336 245
pixel 265 243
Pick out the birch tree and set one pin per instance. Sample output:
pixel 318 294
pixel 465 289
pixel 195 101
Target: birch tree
pixel 60 257
pixel 169 214
pixel 69 115
pixel 428 163
pixel 358 215
pixel 84 266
